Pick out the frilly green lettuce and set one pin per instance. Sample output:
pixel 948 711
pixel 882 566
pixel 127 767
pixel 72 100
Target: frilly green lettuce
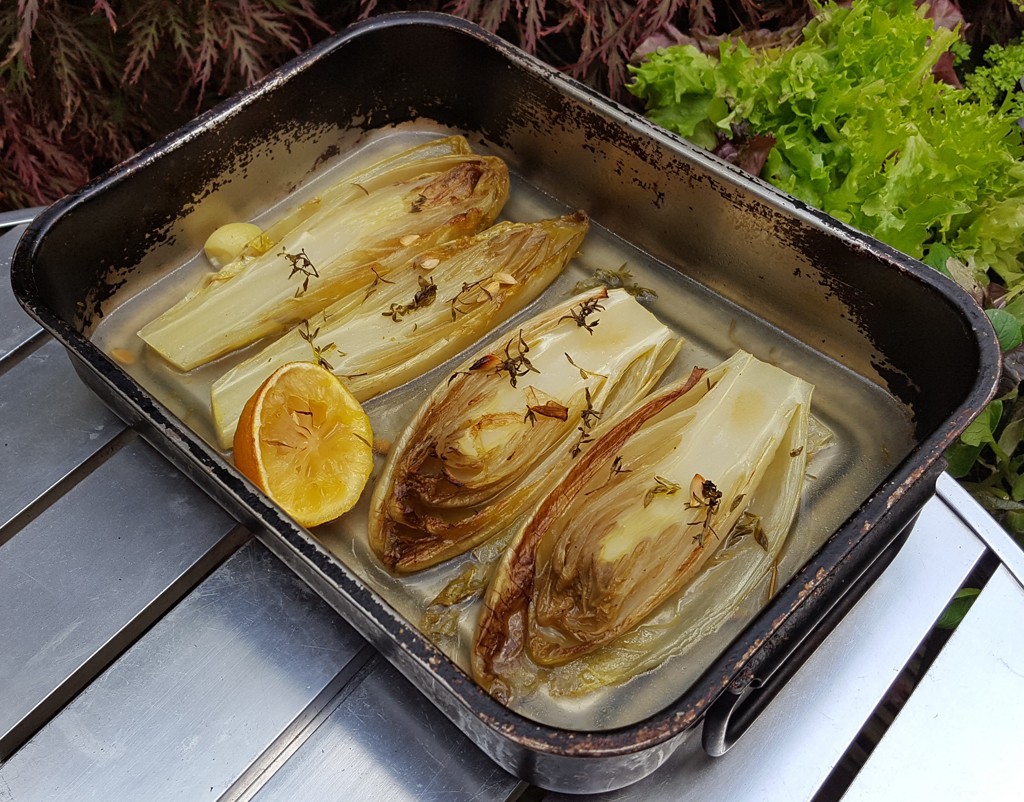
pixel 863 130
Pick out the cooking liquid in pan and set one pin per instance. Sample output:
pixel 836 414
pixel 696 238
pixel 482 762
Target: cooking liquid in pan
pixel 871 430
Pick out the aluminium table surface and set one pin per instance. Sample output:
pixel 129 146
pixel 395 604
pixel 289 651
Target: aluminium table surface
pixel 153 648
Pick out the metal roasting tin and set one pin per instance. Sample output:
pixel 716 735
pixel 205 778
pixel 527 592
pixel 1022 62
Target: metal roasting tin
pixel 901 358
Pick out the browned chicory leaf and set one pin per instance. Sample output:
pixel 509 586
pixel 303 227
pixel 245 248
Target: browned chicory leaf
pixel 492 437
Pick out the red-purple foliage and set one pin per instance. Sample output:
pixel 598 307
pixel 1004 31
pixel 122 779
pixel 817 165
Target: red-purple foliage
pixel 85 83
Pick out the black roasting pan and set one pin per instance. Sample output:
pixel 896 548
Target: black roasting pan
pixel 890 344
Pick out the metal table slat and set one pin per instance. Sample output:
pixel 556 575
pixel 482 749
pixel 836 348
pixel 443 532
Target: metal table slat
pixel 19 217
pixel 384 734
pixel 186 711
pixel 959 735
pixel 998 540
pixel 86 576
pixel 16 327
pixel 50 423
pixel 791 748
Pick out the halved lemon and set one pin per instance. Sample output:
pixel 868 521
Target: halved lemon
pixel 305 441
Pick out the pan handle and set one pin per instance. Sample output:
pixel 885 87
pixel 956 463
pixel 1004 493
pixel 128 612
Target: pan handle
pixel 779 658
pixel 748 695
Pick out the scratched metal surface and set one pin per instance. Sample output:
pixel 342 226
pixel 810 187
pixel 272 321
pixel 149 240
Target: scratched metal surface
pixel 16 328
pixel 50 424
pixel 967 709
pixel 187 709
pixel 79 582
pixel 384 735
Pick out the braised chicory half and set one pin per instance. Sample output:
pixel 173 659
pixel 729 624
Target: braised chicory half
pixel 493 436
pixel 404 322
pixel 662 527
pixel 365 225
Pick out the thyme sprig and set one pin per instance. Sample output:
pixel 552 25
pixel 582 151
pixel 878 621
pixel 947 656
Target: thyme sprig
pixel 378 279
pixel 582 441
pixel 616 279
pixel 748 525
pixel 617 467
pixel 488 289
pixel 310 335
pixel 615 470
pixel 301 265
pixel 458 300
pixel 584 373
pixel 423 298
pixel 516 364
pixel 662 487
pixel 582 312
pixel 704 494
pixel 588 417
